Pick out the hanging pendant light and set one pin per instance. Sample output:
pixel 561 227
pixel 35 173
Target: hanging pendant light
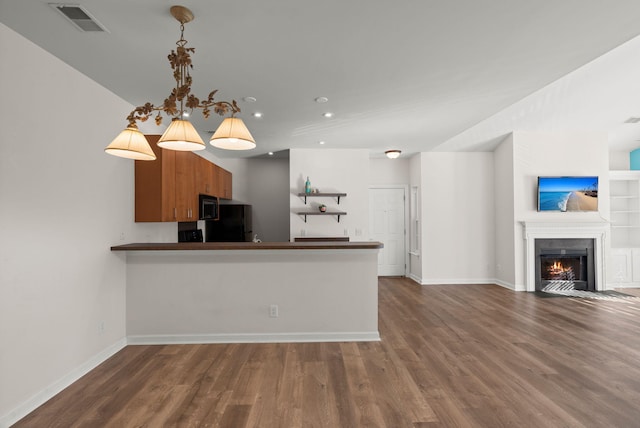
pixel 131 144
pixel 180 135
pixel 232 134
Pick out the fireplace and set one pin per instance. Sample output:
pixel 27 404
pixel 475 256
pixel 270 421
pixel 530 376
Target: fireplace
pixel 569 252
pixel 564 264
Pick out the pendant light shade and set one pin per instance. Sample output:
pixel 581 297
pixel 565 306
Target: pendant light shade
pixel 232 134
pixel 131 144
pixel 181 136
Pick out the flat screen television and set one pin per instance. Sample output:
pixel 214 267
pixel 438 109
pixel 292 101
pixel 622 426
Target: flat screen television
pixel 567 194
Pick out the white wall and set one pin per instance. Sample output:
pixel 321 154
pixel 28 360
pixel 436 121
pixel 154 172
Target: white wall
pixel 504 213
pixel 330 170
pixel 384 171
pixel 63 203
pixel 619 161
pixel 555 154
pixel 457 218
pixel 268 191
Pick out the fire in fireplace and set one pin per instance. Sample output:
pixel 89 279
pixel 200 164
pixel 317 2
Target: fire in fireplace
pixel 565 264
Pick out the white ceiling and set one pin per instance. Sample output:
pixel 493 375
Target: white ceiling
pixel 417 75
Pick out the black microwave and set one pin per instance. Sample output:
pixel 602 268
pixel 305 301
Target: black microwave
pixel 209 208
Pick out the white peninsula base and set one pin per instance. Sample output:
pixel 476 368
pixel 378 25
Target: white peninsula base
pixel 273 295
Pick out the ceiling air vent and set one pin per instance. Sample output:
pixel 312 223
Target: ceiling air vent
pixel 79 17
pixel 632 120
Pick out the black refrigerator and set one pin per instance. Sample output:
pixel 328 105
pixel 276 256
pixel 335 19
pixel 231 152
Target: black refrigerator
pixel 234 225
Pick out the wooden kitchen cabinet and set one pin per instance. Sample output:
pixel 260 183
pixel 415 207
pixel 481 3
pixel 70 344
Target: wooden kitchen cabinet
pixel 155 187
pixel 206 178
pixel 225 184
pixel 186 193
pixel 168 188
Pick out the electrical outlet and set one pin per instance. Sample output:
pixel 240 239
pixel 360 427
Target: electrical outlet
pixel 101 327
pixel 358 232
pixel 346 232
pixel 122 236
pixel 303 232
pixel 273 311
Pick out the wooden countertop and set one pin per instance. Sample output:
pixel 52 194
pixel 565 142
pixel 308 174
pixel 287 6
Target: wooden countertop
pixel 208 246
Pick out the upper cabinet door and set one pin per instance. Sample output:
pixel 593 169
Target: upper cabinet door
pixel 155 194
pixel 186 194
pixel 206 183
pixel 225 184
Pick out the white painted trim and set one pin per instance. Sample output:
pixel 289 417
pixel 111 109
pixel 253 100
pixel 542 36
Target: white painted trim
pixel 458 281
pixel 415 278
pixel 506 284
pixel 365 336
pixel 623 285
pixel 56 387
pixel 407 220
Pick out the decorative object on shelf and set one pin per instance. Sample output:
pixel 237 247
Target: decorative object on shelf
pixel 392 154
pixel 315 190
pixel 322 208
pixel 256 240
pixel 181 135
pixel 307 186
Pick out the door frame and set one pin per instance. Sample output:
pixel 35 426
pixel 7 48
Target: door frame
pixel 405 189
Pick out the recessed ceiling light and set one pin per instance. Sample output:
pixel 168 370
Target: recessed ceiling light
pixel 321 100
pixel 270 153
pixel 249 99
pixel 320 142
pixel 257 114
pixel 328 114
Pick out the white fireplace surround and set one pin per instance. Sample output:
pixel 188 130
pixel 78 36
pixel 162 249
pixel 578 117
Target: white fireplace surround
pixel 538 230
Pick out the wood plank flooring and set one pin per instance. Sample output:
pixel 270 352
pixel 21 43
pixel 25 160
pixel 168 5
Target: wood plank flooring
pixel 450 356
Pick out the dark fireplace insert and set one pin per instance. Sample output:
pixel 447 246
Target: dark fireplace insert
pixel 565 264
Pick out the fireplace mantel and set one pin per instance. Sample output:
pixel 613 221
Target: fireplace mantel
pixel 545 230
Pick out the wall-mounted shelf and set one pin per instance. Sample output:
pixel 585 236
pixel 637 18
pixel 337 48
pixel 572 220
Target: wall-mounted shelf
pixel 322 195
pixel 306 213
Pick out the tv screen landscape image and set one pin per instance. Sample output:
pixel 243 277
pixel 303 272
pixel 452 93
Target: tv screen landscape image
pixel 567 194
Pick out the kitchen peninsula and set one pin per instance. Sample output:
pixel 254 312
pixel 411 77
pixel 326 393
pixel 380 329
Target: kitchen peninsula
pixel 223 292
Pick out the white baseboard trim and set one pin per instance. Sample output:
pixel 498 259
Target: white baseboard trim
pixel 48 392
pixel 507 285
pixel 416 278
pixel 458 281
pixel 178 339
pixel 611 286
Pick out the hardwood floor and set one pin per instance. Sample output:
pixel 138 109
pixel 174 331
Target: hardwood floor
pixel 462 355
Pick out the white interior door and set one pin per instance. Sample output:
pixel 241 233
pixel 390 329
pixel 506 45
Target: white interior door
pixel 386 208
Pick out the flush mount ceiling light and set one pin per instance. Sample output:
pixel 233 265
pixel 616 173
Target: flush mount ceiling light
pixel 181 135
pixel 392 154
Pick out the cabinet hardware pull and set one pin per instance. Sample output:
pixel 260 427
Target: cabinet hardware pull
pixel 175 212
